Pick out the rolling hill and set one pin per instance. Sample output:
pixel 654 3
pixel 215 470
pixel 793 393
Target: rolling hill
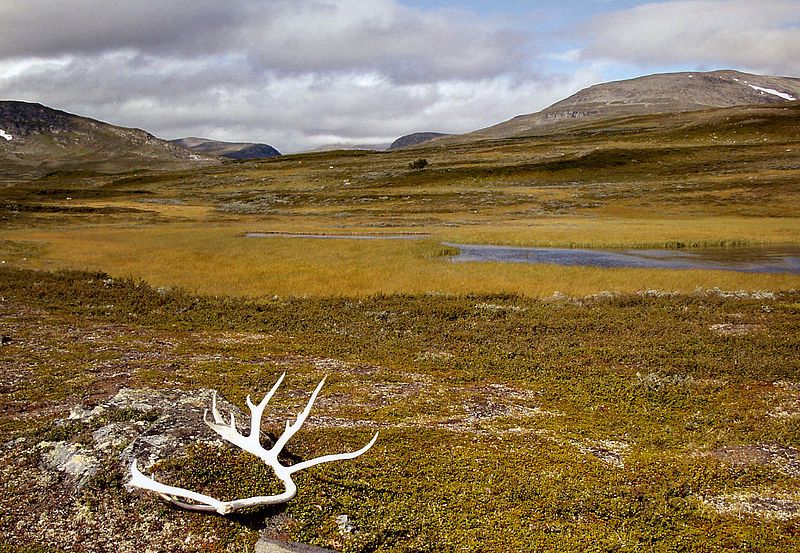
pixel 415 138
pixel 36 139
pixel 649 95
pixel 230 150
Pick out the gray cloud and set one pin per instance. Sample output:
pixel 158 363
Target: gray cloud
pixel 292 36
pixel 382 35
pixel 762 36
pixel 45 28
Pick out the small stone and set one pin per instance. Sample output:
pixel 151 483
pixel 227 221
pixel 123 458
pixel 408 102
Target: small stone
pixel 345 526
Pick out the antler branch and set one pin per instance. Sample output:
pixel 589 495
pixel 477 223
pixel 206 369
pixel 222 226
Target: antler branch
pixel 252 444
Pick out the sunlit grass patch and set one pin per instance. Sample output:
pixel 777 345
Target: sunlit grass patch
pixel 220 260
pixel 168 209
pixel 631 232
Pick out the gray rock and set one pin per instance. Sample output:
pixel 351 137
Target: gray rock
pixel 76 462
pixel 178 423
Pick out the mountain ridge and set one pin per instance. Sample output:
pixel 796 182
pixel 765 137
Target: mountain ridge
pixel 415 138
pixel 230 150
pixel 647 95
pixel 37 138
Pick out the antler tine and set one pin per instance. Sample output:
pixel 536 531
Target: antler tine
pixel 207 503
pixel 227 430
pixel 214 410
pixel 291 429
pixel 336 457
pixel 257 411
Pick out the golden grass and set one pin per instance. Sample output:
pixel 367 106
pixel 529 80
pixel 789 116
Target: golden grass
pixel 652 188
pixel 219 260
pixel 615 232
pixel 167 210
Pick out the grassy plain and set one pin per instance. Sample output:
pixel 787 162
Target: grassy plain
pixel 510 420
pixel 219 260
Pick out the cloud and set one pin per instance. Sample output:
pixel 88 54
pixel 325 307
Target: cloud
pixel 41 28
pixel 289 36
pixel 292 73
pixel 761 36
pixel 404 44
pixel 226 99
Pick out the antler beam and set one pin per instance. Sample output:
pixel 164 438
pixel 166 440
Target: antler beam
pixel 252 444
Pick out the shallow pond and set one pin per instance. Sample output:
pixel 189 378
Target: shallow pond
pixel 749 260
pixel 743 259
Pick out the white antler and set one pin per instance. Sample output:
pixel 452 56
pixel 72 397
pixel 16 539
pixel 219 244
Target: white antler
pixel 250 443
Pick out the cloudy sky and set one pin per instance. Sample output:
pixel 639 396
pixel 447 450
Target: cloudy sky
pixel 298 74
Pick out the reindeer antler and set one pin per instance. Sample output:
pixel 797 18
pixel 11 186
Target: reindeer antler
pixel 250 443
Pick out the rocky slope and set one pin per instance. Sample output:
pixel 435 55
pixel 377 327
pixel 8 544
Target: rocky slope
pixel 231 150
pixel 653 94
pixel 35 139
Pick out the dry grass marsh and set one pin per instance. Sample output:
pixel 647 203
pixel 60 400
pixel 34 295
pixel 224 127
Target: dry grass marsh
pixel 719 179
pixel 220 260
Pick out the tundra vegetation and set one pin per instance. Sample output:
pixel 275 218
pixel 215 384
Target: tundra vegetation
pixel 634 409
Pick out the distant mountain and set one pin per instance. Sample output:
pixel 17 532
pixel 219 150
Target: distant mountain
pixel 231 150
pixel 415 138
pixel 36 139
pixel 653 94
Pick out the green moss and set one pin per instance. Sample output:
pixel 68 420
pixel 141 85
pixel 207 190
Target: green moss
pixel 506 422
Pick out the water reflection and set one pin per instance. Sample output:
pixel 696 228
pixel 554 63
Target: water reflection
pixel 749 260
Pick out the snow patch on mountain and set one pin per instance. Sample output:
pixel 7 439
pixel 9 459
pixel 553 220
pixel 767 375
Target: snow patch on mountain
pixel 772 91
pixel 5 135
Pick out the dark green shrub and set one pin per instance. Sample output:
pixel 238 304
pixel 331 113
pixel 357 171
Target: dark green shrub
pixel 418 164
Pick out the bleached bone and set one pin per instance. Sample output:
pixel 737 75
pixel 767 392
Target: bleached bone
pixel 252 444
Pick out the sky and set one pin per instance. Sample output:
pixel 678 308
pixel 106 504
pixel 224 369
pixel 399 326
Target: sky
pixel 301 74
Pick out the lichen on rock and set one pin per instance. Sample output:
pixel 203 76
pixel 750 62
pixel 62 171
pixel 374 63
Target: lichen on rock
pixel 65 485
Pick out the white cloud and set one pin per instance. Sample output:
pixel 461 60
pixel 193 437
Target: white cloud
pixel 173 97
pixel 572 55
pixel 762 36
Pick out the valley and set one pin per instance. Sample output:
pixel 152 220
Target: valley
pixel 520 406
pixel 713 178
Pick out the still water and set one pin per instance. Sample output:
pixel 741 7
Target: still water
pixel 748 260
pixel 743 259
